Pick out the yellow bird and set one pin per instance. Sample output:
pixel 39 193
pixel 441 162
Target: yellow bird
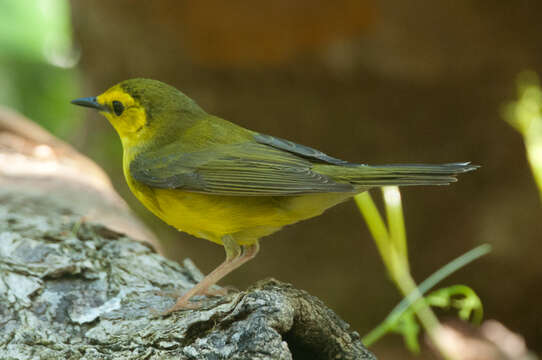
pixel 218 181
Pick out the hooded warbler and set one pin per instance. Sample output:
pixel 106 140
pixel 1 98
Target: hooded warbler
pixel 218 181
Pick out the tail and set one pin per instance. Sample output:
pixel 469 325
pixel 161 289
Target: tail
pixel 401 174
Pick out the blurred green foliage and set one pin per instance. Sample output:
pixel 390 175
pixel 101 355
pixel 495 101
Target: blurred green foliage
pixel 525 115
pixel 37 75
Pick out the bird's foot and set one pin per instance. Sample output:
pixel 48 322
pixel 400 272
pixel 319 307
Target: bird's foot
pixel 183 304
pixel 171 294
pixel 215 291
pixel 223 291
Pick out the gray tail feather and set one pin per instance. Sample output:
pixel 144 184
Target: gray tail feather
pixel 409 174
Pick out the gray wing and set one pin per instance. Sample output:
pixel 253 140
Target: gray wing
pixel 300 150
pixel 243 169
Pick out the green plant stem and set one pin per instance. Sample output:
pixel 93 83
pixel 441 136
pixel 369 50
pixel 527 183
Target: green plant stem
pixel 394 252
pixel 396 222
pixel 426 316
pixel 376 226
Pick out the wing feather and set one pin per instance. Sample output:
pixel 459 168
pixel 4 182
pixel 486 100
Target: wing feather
pixel 242 169
pixel 300 150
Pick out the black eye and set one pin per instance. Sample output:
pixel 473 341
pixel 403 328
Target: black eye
pixel 118 108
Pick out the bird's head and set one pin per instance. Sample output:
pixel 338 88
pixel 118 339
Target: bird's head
pixel 143 110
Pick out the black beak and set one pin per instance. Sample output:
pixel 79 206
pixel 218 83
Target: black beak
pixel 90 102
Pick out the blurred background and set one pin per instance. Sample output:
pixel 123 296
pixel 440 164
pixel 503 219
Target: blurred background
pixel 364 80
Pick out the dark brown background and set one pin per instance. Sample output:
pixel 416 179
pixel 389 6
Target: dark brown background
pixel 367 81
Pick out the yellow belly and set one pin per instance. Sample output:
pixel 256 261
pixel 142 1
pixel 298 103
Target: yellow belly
pixel 245 218
pixel 211 217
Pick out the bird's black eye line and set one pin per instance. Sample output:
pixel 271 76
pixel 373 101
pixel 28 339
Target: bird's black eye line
pixel 118 108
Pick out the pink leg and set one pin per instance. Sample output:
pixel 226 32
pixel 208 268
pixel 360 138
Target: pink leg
pixel 235 257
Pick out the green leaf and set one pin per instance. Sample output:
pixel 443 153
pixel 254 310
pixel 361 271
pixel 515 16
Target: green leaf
pixel 459 297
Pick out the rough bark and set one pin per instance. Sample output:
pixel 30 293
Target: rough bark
pixel 76 286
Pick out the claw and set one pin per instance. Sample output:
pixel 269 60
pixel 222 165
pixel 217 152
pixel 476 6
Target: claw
pixel 183 305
